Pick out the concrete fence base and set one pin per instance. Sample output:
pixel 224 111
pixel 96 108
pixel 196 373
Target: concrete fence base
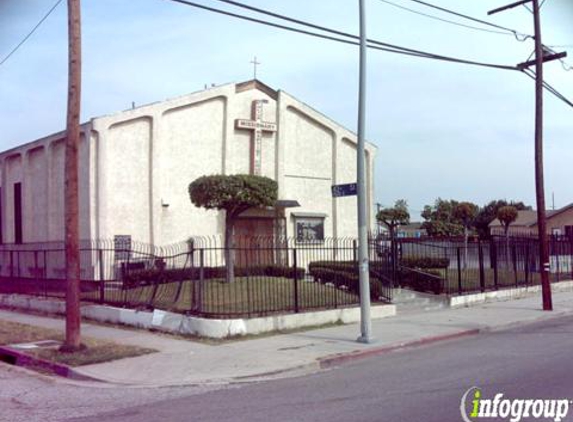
pixel 181 324
pixel 505 294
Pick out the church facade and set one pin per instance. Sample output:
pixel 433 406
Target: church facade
pixel 136 166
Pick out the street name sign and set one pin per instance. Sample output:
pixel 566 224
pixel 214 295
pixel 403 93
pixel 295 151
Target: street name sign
pixel 348 189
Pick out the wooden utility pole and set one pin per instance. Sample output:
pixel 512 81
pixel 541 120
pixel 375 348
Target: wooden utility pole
pixel 539 178
pixel 73 320
pixel 540 58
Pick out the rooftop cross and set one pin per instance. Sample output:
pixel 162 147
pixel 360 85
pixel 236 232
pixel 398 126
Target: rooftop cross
pixel 255 63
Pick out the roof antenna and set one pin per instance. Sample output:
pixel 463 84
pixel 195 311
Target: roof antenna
pixel 553 200
pixel 132 105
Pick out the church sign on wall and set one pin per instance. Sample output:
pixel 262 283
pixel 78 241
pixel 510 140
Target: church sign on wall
pixel 122 247
pixel 309 229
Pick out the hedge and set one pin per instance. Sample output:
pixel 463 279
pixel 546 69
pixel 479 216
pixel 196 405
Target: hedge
pixel 424 262
pixel 427 281
pixel 158 276
pixel 344 273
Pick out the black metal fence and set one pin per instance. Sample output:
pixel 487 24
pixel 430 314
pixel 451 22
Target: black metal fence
pixel 274 275
pixel 271 275
pixel 452 267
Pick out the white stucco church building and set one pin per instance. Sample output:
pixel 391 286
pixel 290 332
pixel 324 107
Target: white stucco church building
pixel 136 166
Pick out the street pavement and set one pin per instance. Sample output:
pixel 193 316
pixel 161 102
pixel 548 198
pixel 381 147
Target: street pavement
pixel 27 396
pixel 419 384
pixel 182 362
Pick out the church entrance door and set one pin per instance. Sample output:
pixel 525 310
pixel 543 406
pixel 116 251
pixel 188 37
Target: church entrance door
pixel 254 241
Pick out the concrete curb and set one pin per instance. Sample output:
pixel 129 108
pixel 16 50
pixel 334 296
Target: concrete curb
pixel 339 359
pixel 18 358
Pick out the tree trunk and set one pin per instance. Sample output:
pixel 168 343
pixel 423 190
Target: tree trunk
pixel 393 252
pixel 229 248
pixel 506 228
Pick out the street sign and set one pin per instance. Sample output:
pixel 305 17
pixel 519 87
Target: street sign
pixel 348 189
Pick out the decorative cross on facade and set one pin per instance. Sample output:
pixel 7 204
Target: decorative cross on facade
pixel 255 63
pixel 258 126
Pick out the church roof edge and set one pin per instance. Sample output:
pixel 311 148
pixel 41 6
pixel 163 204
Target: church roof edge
pixel 371 144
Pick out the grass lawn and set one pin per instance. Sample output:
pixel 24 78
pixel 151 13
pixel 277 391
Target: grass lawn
pixel 246 295
pixel 97 351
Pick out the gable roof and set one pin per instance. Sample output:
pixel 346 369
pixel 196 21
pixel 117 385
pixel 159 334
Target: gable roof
pixel 528 218
pixel 239 87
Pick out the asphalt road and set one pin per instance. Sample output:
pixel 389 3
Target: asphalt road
pixel 423 384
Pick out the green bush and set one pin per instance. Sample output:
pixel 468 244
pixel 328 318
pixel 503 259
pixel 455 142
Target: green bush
pixel 345 273
pixel 427 281
pixel 159 276
pixel 424 262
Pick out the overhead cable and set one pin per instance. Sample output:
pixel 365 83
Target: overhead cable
pixel 373 44
pixel 31 32
pixel 518 35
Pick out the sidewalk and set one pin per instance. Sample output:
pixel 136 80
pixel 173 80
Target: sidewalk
pixel 186 362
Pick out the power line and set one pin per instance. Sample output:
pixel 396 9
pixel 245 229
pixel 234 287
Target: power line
pixel 549 88
pixel 518 35
pixel 376 45
pixel 445 20
pixel 31 32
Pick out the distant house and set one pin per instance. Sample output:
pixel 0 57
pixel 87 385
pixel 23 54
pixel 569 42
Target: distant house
pixel 559 222
pixel 411 230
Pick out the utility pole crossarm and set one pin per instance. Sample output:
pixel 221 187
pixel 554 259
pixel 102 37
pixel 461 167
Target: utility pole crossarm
pixel 509 6
pixel 546 58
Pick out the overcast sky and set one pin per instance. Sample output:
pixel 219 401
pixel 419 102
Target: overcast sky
pixel 442 130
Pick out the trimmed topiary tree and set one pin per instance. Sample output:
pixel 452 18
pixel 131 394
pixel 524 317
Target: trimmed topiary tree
pixel 466 212
pixel 234 194
pixel 392 218
pixel 507 215
pixel 395 216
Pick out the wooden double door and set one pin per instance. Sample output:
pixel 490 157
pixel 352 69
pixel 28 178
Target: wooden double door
pixel 258 241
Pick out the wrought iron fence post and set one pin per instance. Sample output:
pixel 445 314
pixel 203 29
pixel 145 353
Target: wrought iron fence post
pixel 294 261
pixel 459 262
pixel 101 277
pixel 526 263
pixel 571 253
pixel 45 271
pixel 201 280
pixel 493 255
pixel 446 279
pixel 11 264
pixel 555 250
pixel 36 272
pixel 354 251
pixel 514 263
pixel 481 269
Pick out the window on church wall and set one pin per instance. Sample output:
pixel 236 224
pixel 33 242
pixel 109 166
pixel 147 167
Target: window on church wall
pixel 309 229
pixel 18 213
